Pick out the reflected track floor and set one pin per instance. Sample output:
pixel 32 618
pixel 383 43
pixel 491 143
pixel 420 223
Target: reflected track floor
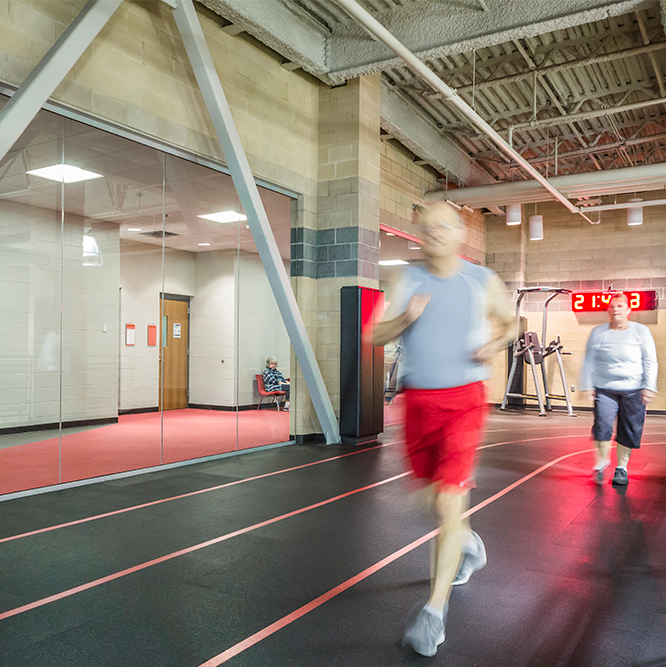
pixel 575 572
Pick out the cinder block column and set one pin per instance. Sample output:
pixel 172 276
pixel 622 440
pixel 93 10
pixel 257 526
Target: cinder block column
pixel 347 208
pixel 340 244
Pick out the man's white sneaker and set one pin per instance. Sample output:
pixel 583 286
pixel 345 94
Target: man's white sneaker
pixel 426 633
pixel 471 563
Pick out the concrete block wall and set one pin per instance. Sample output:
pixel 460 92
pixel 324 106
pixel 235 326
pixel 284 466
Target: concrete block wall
pixel 578 256
pixel 403 183
pixel 136 73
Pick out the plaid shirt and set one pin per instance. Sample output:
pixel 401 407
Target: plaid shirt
pixel 272 379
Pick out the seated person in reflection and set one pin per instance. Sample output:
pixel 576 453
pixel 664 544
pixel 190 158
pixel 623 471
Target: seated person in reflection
pixel 274 380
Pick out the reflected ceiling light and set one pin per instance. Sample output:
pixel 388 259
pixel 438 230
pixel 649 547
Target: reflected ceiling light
pixel 134 229
pixel 224 216
pixel 204 244
pixel 392 262
pixel 634 213
pixel 413 246
pixel 92 255
pixel 536 227
pixel 390 234
pixel 513 214
pixel 64 173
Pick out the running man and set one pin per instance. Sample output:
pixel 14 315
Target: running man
pixel 442 314
pixel 620 374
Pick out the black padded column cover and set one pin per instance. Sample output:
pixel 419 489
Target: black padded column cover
pixel 361 366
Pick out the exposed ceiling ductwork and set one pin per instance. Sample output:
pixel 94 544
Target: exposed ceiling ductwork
pixel 577 186
pixel 575 87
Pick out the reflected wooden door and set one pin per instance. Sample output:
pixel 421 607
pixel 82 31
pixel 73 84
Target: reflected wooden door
pixel 174 363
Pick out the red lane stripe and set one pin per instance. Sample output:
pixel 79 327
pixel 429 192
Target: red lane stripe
pixel 188 495
pixel 103 580
pixel 317 602
pixel 240 481
pixel 217 488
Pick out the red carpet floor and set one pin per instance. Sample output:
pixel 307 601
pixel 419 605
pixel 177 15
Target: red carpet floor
pixel 134 442
pixel 394 412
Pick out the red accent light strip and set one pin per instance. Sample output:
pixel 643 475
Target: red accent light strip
pixel 399 232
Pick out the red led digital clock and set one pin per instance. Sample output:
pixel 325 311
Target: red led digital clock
pixel 587 302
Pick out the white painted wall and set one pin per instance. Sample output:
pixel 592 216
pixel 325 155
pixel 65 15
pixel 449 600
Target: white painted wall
pixel 141 284
pixel 30 293
pixel 213 330
pixel 100 372
pixel 261 331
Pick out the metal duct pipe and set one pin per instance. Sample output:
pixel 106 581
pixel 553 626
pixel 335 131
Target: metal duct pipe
pixel 551 69
pixel 599 148
pixel 376 29
pixel 590 184
pixel 628 204
pixel 584 115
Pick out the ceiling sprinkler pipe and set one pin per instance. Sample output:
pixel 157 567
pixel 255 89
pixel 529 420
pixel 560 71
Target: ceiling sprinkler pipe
pixel 585 115
pixel 376 29
pixel 629 204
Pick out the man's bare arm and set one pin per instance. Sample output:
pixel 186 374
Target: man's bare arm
pixel 503 319
pixel 385 332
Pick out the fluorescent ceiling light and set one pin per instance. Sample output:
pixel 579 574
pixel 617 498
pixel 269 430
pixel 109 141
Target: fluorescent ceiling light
pixel 134 229
pixel 64 173
pixel 224 216
pixel 204 244
pixel 634 213
pixel 390 234
pixel 392 262
pixel 413 246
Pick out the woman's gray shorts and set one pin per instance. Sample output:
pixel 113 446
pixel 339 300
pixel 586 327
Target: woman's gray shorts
pixel 630 412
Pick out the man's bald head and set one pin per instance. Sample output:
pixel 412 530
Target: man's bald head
pixel 438 214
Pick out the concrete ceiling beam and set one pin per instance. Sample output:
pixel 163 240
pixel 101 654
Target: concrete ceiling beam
pixel 440 32
pixel 273 24
pixel 406 123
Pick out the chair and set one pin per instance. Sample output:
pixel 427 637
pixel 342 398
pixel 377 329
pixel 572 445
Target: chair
pixel 263 393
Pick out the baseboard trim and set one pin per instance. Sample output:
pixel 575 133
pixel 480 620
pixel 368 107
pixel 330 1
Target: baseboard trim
pixel 309 439
pixel 53 425
pixel 223 408
pixel 138 411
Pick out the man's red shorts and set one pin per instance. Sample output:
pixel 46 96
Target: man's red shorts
pixel 443 428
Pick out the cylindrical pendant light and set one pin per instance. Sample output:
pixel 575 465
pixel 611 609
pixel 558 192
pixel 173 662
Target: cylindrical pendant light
pixel 513 214
pixel 536 227
pixel 635 213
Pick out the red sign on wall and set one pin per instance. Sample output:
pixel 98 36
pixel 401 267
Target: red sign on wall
pixel 152 334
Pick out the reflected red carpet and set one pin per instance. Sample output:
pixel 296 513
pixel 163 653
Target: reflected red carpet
pixel 134 442
pixel 394 412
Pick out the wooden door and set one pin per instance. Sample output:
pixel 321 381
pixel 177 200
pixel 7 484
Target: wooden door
pixel 175 330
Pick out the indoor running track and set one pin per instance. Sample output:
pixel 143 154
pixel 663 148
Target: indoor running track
pixel 315 555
